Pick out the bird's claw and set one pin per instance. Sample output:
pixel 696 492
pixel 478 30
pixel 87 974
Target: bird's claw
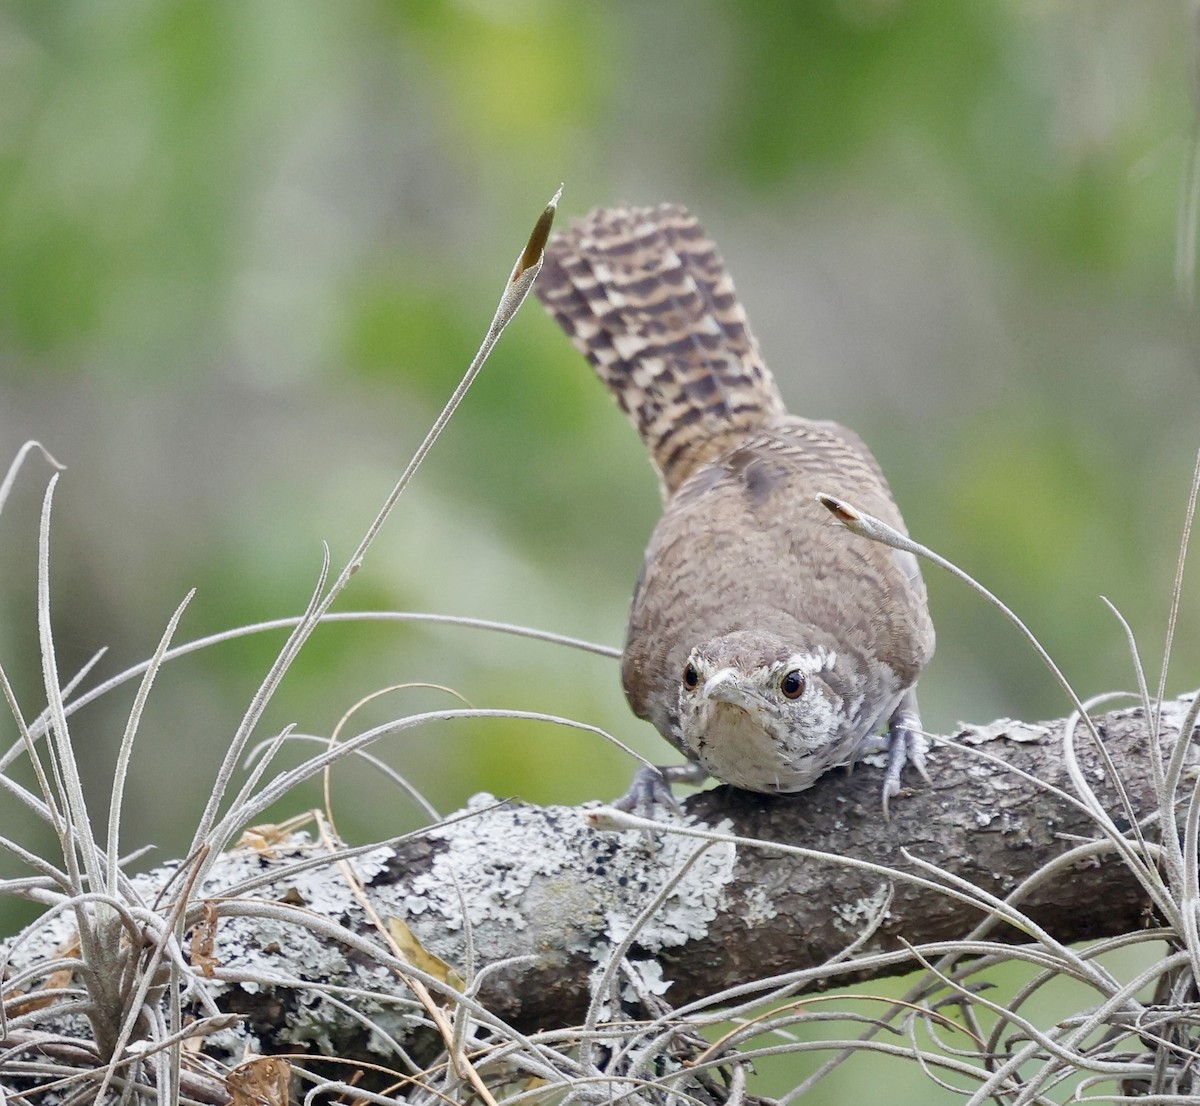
pixel 906 744
pixel 651 787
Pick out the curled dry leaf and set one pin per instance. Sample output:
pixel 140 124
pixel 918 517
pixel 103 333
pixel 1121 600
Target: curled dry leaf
pixel 204 939
pixel 262 1081
pixel 420 957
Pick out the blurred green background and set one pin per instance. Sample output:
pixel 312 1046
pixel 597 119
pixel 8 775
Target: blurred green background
pixel 247 250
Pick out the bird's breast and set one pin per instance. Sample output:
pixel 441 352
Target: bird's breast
pixel 742 748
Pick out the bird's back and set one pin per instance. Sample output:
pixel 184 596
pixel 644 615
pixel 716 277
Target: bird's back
pixel 745 544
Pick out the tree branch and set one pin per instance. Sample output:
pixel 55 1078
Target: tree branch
pixel 547 887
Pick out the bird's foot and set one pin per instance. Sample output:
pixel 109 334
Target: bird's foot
pixel 651 787
pixel 904 743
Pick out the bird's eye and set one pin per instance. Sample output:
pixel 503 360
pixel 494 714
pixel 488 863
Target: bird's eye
pixel 691 678
pixel 792 685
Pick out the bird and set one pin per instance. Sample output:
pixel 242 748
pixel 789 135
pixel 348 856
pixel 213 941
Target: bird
pixel 765 642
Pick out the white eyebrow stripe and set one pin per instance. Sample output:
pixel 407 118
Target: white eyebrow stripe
pixel 818 660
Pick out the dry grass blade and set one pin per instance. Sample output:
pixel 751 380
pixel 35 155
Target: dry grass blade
pixel 122 953
pixel 125 753
pixel 82 845
pixel 10 476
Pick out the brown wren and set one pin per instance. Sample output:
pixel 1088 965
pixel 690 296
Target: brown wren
pixel 766 642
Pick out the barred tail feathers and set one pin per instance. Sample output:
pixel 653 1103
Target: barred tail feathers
pixel 644 295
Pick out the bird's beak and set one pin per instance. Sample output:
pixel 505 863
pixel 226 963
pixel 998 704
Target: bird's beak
pixel 725 686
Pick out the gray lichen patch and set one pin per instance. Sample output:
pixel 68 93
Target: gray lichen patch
pixel 853 916
pixel 495 891
pixel 543 882
pixel 251 958
pixel 758 907
pixel 323 889
pixel 1002 729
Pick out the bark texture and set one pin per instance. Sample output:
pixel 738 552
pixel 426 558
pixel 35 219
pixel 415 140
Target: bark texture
pixel 546 886
pixel 977 820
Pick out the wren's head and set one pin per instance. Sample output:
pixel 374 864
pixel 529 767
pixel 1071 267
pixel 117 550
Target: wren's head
pixel 764 714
